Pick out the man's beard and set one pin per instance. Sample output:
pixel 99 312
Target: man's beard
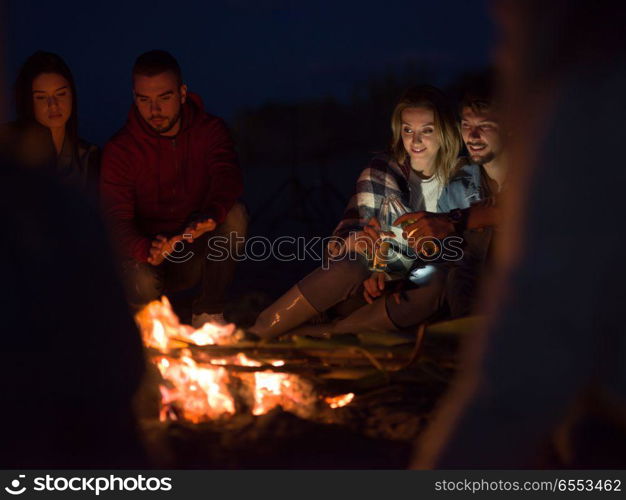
pixel 482 159
pixel 165 128
pixel 478 157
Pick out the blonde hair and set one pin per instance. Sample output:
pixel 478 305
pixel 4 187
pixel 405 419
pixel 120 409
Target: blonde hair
pixel 446 127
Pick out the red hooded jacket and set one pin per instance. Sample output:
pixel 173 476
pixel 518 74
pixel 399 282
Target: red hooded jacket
pixel 151 184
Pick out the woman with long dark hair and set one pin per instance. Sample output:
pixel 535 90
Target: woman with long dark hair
pixel 45 133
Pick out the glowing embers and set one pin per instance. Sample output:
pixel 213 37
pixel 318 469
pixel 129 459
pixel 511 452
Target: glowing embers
pixel 193 392
pixel 339 401
pixel 208 387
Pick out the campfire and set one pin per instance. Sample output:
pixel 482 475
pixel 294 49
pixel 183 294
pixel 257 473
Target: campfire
pixel 212 398
pixel 212 373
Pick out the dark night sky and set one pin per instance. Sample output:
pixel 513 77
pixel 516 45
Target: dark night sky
pixel 239 53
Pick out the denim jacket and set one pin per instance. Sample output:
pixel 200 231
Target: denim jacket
pixel 463 190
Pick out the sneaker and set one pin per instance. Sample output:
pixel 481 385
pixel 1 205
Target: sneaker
pixel 198 320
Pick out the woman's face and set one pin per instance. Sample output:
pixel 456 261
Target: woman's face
pixel 52 100
pixel 421 142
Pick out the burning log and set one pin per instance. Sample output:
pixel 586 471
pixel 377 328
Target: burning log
pixel 205 375
pixel 213 373
pixel 221 400
pixel 324 357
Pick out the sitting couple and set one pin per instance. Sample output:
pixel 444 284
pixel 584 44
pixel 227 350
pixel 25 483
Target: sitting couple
pixel 167 181
pixel 445 195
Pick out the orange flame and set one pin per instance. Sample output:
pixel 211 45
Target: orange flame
pixel 199 391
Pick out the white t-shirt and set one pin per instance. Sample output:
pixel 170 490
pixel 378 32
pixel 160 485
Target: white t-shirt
pixel 424 192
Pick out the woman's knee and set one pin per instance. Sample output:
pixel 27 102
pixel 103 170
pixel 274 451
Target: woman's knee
pixel 329 285
pixel 352 265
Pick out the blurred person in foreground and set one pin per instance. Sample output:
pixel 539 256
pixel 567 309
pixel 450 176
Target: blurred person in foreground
pixel 72 357
pixel 544 384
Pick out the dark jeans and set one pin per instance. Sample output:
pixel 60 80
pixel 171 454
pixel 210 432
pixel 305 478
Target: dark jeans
pixel 418 304
pixel 340 287
pixel 193 281
pixel 455 284
pixel 464 279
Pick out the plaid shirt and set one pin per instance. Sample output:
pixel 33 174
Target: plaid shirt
pixel 382 177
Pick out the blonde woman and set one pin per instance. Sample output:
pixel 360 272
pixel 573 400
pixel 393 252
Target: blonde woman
pixel 423 151
pixel 424 148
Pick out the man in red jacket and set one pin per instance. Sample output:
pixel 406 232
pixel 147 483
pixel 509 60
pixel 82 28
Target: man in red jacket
pixel 170 179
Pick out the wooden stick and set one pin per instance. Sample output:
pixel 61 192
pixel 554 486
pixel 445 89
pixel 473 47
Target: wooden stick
pixel 216 351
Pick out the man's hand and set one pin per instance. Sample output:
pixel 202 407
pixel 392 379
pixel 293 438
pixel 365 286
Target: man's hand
pixel 373 287
pixel 366 240
pixel 197 229
pixel 423 225
pixel 372 229
pixel 161 247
